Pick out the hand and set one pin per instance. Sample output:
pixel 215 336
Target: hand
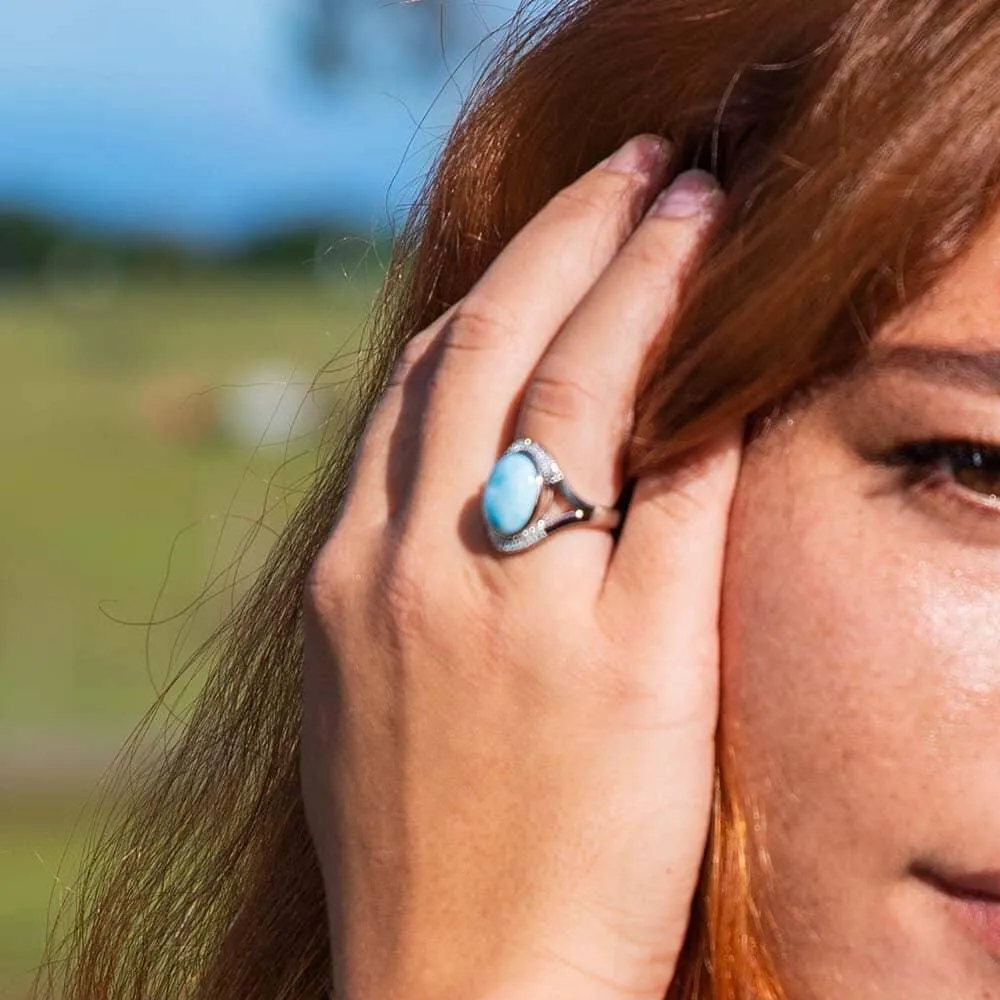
pixel 508 762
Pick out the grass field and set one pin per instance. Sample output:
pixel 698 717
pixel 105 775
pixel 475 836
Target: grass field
pixel 123 505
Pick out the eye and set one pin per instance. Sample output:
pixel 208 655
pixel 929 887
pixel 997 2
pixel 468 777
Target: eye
pixel 974 468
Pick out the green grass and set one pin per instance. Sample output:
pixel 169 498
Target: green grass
pixel 100 513
pixel 38 861
pixel 111 519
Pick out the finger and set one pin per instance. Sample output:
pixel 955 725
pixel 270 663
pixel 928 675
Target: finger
pixel 580 399
pixel 617 192
pixel 390 442
pixel 501 329
pixel 669 561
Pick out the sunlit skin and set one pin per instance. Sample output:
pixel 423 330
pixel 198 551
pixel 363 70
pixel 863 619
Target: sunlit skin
pixel 483 770
pixel 861 663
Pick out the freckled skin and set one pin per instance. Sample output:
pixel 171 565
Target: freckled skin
pixel 861 670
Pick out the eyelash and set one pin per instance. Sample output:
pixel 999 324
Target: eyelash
pixel 940 464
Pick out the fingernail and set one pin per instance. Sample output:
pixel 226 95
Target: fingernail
pixel 691 194
pixel 645 154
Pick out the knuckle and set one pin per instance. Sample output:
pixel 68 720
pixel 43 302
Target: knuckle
pixel 412 357
pixel 477 326
pixel 653 255
pixel 560 392
pixel 391 595
pixel 598 196
pixel 575 202
pixel 664 251
pixel 330 579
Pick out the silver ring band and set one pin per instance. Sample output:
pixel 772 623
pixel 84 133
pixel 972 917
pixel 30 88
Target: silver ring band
pixel 518 495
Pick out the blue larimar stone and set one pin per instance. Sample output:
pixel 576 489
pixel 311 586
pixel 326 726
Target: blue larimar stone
pixel 511 494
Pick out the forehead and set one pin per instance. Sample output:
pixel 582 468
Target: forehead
pixel 963 310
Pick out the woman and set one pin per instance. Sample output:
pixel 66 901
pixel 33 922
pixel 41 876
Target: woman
pixel 507 759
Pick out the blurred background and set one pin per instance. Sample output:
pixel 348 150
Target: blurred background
pixel 196 203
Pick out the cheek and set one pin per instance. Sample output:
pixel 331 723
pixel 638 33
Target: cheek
pixel 860 677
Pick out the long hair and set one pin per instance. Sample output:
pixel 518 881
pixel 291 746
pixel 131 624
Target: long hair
pixel 858 143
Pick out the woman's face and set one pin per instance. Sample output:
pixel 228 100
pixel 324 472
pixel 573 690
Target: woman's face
pixel 862 659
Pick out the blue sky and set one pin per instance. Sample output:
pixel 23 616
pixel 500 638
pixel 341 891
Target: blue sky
pixel 189 118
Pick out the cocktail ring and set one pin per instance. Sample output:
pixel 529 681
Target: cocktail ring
pixel 519 495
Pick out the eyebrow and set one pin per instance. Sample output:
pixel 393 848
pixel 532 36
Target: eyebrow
pixel 976 371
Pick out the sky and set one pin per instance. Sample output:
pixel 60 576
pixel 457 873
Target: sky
pixel 190 118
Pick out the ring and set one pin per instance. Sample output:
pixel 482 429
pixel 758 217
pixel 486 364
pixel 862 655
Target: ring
pixel 519 493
